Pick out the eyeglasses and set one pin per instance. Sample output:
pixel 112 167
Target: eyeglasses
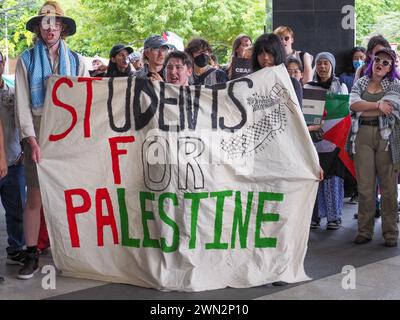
pixel 285 38
pixel 383 62
pixel 55 27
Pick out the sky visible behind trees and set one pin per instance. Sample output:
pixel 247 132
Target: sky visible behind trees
pixel 101 24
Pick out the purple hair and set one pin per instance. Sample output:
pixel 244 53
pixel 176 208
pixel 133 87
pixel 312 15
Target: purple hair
pixel 391 75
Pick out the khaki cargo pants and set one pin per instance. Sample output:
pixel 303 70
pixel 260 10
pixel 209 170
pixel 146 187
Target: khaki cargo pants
pixel 371 161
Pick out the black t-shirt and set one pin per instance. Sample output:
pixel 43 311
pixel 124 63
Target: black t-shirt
pixel 115 73
pixel 218 75
pixel 298 89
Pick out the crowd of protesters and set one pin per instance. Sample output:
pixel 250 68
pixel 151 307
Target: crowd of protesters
pixel 371 77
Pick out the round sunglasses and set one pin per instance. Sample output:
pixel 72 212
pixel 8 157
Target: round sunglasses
pixel 383 62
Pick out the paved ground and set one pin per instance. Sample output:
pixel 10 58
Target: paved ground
pixel 376 274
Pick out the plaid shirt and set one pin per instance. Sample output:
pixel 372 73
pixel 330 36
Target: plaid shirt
pixel 389 126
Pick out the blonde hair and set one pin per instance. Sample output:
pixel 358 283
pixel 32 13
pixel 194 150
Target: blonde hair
pixel 283 30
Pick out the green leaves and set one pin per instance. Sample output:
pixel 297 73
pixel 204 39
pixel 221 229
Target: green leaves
pixel 101 24
pixel 18 13
pixel 132 21
pixel 377 17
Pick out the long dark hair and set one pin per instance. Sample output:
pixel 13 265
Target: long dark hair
pixel 196 45
pixel 349 68
pixel 373 42
pixel 269 43
pixel 235 46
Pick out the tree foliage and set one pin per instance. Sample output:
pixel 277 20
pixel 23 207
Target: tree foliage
pixel 103 24
pixel 377 17
pixel 18 12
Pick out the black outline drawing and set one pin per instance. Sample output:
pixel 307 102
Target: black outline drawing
pixel 186 141
pixel 256 137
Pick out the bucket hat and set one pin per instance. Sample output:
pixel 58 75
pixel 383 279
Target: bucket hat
pixel 52 9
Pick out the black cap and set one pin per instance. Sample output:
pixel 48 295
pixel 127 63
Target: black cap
pixel 118 48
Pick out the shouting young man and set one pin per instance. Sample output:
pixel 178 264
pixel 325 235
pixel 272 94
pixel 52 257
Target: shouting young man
pixel 49 56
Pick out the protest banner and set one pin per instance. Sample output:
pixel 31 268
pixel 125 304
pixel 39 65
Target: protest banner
pixel 178 188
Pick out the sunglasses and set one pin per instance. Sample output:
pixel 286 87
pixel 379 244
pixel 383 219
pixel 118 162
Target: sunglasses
pixel 385 63
pixel 285 38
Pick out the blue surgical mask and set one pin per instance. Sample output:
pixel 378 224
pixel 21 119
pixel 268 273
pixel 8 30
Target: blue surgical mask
pixel 357 64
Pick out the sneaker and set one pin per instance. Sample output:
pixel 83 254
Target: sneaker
pixel 361 240
pixel 30 267
pixel 314 225
pixel 16 258
pixel 355 216
pixel 334 225
pixel 390 243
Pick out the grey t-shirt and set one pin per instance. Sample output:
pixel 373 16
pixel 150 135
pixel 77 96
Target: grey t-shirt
pixel 7 115
pixel 372 97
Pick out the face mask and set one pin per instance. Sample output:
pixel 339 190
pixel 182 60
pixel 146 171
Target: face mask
pixel 201 60
pixel 357 64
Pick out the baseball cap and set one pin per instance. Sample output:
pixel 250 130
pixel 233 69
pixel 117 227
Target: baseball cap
pixel 389 52
pixel 155 42
pixel 118 48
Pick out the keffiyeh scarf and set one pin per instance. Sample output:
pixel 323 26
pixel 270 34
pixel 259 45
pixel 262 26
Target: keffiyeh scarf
pixel 38 66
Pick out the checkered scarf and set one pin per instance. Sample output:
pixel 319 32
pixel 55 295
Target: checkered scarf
pixel 389 126
pixel 38 65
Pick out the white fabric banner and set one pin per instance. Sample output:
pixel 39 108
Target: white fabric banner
pixel 178 188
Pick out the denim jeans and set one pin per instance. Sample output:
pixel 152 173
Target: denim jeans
pixel 12 193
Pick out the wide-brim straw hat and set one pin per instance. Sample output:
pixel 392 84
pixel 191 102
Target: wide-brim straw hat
pixel 52 9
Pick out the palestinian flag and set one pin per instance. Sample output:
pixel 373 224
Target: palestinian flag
pixel 337 126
